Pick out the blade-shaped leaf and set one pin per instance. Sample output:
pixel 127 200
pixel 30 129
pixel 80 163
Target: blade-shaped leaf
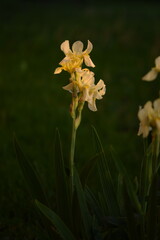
pixel 120 193
pixel 129 185
pixel 62 189
pixel 145 176
pixel 152 209
pixel 31 176
pixel 62 229
pixel 132 227
pixel 87 168
pixel 94 205
pixel 86 217
pixel 108 187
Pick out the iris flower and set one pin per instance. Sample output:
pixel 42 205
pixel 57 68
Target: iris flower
pixel 84 85
pixel 75 57
pixel 149 117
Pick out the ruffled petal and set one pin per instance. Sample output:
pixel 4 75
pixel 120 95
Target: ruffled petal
pixel 58 70
pixel 65 47
pixel 101 89
pixel 157 62
pixel 77 47
pixel 151 75
pixel 88 61
pixel 92 105
pixel 89 48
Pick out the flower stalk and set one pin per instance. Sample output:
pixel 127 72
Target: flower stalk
pixel 72 151
pixel 82 86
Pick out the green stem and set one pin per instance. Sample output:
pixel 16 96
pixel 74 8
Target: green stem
pixel 72 151
pixel 155 154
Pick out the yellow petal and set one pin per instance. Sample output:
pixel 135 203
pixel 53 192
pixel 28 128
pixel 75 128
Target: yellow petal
pixel 58 70
pixel 151 75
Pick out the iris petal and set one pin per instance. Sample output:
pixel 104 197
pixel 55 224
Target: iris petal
pixel 77 47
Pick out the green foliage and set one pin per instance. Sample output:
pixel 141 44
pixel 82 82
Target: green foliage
pixel 30 174
pixel 108 187
pixel 128 182
pixel 63 198
pixel 56 221
pixel 86 217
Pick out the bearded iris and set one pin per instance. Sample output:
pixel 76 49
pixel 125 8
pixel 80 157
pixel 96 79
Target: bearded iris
pixel 149 117
pixel 75 57
pixel 81 85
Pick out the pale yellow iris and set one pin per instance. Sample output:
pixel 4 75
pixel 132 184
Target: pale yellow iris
pixel 84 84
pixel 149 117
pixel 75 57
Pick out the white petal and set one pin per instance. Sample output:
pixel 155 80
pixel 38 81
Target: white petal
pixel 89 48
pixel 85 95
pixel 148 106
pixel 88 61
pixel 144 130
pixel 92 105
pixel 142 114
pixel 156 104
pixel 151 75
pixel 77 47
pixel 69 87
pixel 100 84
pixel 101 89
pixel 149 110
pixel 58 70
pixel 157 62
pixel 65 47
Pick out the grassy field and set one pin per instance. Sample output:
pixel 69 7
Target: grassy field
pixel 126 40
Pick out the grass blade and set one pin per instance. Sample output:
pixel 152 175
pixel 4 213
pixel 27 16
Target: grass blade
pixel 62 189
pixel 132 194
pixel 94 205
pixel 152 209
pixel 130 215
pixel 86 217
pixel 60 226
pixel 31 176
pixel 87 168
pixel 108 187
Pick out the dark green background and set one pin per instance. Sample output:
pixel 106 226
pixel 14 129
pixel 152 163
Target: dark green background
pixel 126 40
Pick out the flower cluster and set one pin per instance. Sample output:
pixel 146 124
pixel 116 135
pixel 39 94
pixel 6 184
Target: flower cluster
pixel 149 117
pixel 82 81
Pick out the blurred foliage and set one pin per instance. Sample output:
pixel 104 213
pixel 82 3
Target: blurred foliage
pixel 126 41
